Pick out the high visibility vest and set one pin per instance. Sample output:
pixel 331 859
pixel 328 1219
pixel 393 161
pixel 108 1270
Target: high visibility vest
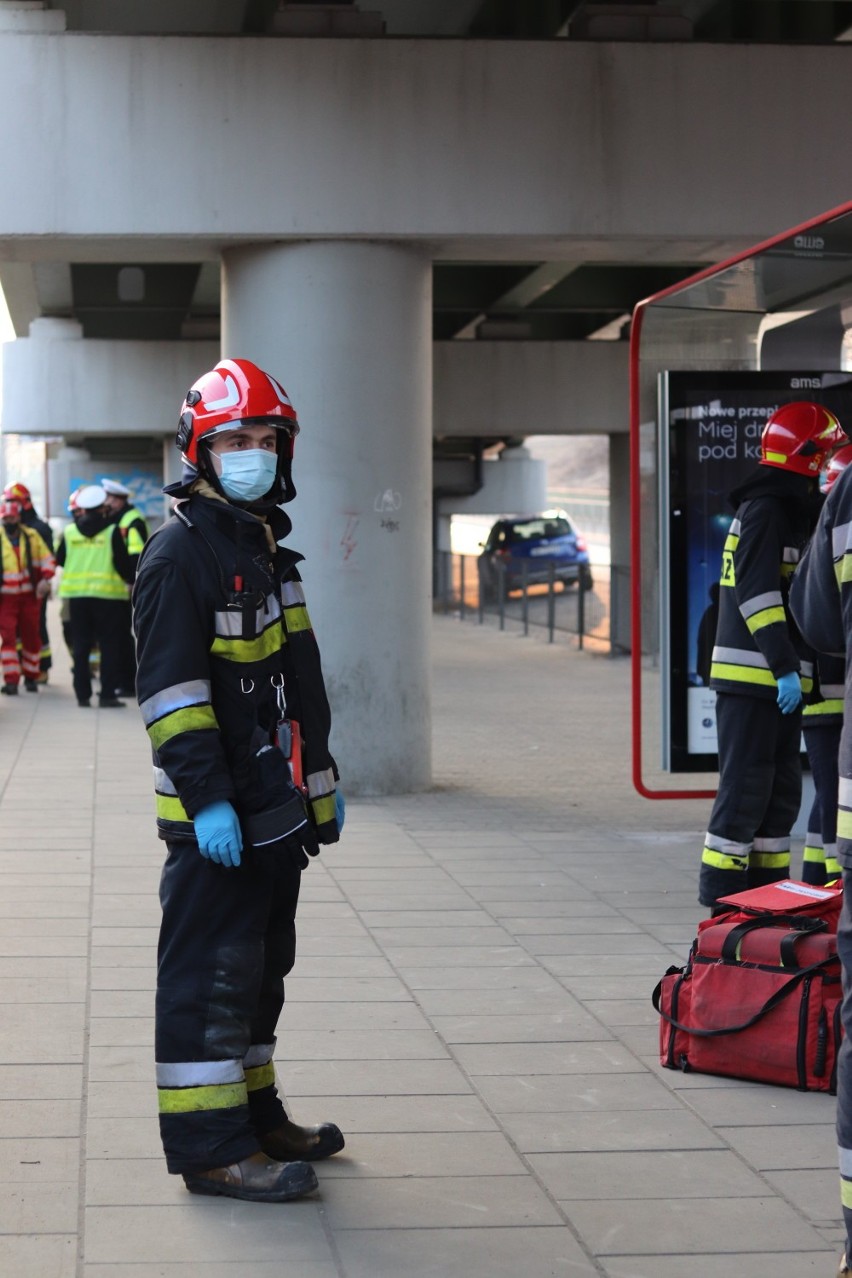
pixel 89 570
pixel 134 537
pixel 30 563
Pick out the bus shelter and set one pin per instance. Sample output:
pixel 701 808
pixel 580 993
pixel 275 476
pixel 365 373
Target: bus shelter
pixel 710 360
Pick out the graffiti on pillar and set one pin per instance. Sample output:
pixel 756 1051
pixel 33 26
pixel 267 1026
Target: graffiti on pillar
pixel 349 541
pixel 387 503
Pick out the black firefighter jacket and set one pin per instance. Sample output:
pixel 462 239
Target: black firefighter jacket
pixel 220 625
pixel 756 640
pixel 821 602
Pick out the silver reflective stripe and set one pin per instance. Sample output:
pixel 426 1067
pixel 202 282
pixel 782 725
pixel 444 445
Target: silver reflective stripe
pixel 772 845
pixel 832 691
pixel 258 1054
pixel 844 1158
pixel 772 599
pixel 841 540
pixel 320 783
pixel 740 657
pixel 230 624
pixel 193 693
pixel 813 839
pixel 718 844
pixel 735 528
pixel 807 668
pixel 162 783
pixel 292 593
pixel 844 792
pixel 199 1073
pixel 790 554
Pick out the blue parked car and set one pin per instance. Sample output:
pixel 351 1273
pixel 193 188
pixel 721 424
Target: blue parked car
pixel 526 545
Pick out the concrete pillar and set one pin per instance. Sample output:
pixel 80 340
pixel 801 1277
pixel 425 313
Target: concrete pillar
pixel 346 327
pixel 619 540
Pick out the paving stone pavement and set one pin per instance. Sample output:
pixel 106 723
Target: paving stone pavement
pixel 470 1003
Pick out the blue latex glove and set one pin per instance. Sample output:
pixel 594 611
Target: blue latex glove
pixel 789 692
pixel 339 809
pixel 217 829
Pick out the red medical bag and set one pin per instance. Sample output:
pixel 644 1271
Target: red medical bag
pixel 760 995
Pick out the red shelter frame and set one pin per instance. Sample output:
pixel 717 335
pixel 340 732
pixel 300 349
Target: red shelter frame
pixel 689 295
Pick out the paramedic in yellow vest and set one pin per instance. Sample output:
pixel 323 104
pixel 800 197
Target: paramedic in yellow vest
pixel 134 533
pixel 96 592
pixel 26 567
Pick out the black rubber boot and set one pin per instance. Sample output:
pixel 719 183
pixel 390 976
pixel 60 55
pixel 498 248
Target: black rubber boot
pixel 257 1178
pixel 309 1143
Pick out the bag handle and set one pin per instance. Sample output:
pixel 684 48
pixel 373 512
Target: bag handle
pixel 798 926
pixel 771 1002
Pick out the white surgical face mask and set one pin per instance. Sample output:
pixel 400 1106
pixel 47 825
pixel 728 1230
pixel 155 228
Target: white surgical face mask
pixel 248 474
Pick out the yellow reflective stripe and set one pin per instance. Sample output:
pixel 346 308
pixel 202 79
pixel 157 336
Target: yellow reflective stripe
pixel 265 645
pixel 743 674
pixel 260 1076
pixel 843 569
pixel 844 824
pixel 722 861
pixel 832 865
pixel 135 544
pixel 296 619
pixel 188 1100
pixel 769 860
pixel 846 1192
pixel 323 809
pixel 776 457
pixel 766 617
pixel 824 707
pixel 816 855
pixel 170 809
pixel 189 719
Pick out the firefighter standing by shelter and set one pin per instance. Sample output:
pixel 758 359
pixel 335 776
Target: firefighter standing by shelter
pixel 821 602
pixel 759 669
pixel 228 667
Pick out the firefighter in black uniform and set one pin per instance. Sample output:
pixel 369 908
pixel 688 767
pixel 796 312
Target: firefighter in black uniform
pixel 759 667
pixel 822 723
pixel 229 679
pixel 821 603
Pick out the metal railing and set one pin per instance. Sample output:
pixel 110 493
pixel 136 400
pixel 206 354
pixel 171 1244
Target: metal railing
pixel 510 593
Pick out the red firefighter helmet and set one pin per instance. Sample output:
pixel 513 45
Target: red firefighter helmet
pixel 234 393
pixel 837 464
pixel 19 493
pixel 10 509
pixel 800 436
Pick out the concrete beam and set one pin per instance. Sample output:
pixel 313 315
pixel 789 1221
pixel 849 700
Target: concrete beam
pixel 598 150
pixel 479 388
pixel 107 387
pixel 530 388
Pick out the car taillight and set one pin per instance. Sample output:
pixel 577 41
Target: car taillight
pixel 581 543
pixel 502 552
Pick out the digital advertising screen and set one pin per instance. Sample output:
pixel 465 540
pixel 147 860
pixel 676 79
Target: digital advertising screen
pixel 710 425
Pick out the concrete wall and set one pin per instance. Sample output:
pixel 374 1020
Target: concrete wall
pixel 480 388
pixel 479 147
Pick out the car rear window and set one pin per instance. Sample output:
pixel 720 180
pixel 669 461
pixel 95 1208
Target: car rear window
pixel 536 529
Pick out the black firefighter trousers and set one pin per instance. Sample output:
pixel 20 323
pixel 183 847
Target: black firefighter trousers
pixel 760 792
pixel 227 940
